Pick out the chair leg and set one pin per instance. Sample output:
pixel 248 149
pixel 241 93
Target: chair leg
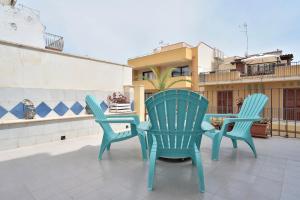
pixel 151 170
pixel 102 149
pixel 215 148
pixel 252 146
pixel 143 146
pixel 200 171
pixel 199 141
pixel 193 160
pixel 108 147
pixel 234 143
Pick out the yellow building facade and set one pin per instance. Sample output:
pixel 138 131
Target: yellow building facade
pixel 224 81
pixel 181 56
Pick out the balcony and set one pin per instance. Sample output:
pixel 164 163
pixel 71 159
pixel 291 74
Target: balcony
pixel 54 42
pixel 278 73
pixel 171 57
pixel 149 86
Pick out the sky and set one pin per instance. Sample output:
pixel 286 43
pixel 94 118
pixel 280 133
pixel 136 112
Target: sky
pixel 115 30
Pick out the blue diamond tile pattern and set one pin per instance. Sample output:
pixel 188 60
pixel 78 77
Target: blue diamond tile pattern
pixel 61 108
pixel 103 106
pixel 132 106
pixel 18 111
pixel 3 111
pixel 43 109
pixel 76 108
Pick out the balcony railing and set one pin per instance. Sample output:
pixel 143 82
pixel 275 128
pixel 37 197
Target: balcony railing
pixel 282 109
pixel 221 76
pixel 54 42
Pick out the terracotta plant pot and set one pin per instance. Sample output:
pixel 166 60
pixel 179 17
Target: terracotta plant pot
pixel 230 127
pixel 259 130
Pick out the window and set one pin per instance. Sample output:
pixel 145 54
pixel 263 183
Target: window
pixel 291 104
pixel 148 75
pixel 181 71
pixel 147 95
pixel 224 102
pixel 261 69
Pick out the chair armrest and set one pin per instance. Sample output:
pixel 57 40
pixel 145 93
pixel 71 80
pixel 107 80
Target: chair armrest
pixel 117 120
pixel 121 116
pixel 206 116
pixel 227 121
pixel 206 126
pixel 144 126
pixel 230 120
pixel 133 116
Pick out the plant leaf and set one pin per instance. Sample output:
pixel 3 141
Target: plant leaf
pixel 166 74
pixel 152 82
pixel 155 72
pixel 177 81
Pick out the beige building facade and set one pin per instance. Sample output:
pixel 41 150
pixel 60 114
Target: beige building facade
pixel 271 73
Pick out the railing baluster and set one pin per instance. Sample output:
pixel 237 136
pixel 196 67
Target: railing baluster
pixel 54 42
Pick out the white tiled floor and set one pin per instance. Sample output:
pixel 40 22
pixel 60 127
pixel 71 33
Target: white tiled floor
pixel 70 170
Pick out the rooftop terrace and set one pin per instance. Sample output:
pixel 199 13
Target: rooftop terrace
pixel 70 170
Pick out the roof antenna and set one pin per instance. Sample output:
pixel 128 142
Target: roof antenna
pixel 244 28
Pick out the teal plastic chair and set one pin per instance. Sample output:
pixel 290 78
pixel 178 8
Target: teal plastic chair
pixel 249 113
pixel 175 132
pixel 109 136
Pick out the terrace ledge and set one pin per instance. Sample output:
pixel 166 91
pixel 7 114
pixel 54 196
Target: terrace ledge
pixel 58 53
pixel 76 117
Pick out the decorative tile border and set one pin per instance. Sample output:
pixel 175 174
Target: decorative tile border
pixel 3 112
pixel 43 109
pixel 76 108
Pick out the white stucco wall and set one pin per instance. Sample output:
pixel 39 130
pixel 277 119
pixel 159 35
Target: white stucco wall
pixel 21 25
pixel 205 58
pixel 52 78
pixel 27 67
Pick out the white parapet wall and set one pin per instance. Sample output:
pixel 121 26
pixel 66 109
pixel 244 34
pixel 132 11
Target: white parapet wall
pixel 57 84
pixel 28 67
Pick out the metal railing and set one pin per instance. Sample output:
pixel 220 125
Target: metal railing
pixel 219 75
pixel 283 119
pixel 283 116
pixel 295 63
pixel 278 71
pixel 54 42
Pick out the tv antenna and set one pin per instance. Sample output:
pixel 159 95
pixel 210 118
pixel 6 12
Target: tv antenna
pixel 244 28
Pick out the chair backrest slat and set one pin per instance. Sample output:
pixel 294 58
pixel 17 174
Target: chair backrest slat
pixel 252 108
pixel 94 105
pixel 172 118
pixel 176 115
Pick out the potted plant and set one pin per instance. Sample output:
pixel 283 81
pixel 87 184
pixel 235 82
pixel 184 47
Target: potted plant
pixel 118 102
pixel 239 102
pixel 260 128
pixel 218 122
pixel 163 79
